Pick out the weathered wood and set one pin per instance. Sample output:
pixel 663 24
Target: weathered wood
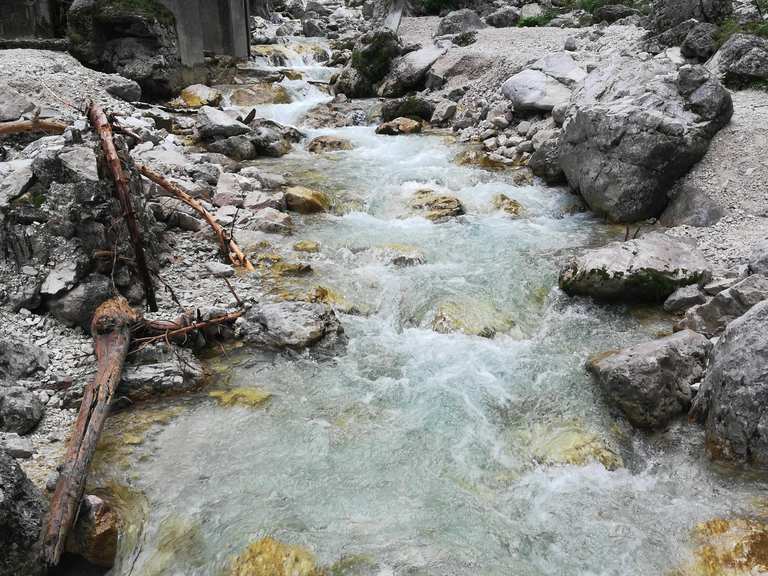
pixel 104 129
pixel 111 329
pixel 175 330
pixel 37 125
pixel 228 246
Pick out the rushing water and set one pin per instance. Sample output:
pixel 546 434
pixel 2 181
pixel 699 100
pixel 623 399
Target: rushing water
pixel 428 453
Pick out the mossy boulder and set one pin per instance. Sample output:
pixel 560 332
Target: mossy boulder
pixel 269 557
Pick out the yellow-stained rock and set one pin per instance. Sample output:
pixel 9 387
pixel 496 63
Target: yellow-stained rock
pixel 437 207
pixel 569 443
pixel 472 157
pixel 268 557
pixel 471 316
pixel 329 144
pixel 94 536
pixel 291 269
pixel 507 204
pixel 400 126
pixel 305 200
pixel 260 94
pixel 307 246
pixel 199 95
pixel 729 547
pixel 248 397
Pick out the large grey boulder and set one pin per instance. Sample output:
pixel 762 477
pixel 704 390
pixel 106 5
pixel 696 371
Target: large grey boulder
pixel 743 59
pixel 77 306
pixel 214 123
pixel 690 206
pixel 700 42
pixel 683 298
pixel 648 269
pixel 374 53
pixel 160 370
pixel 19 359
pixel 651 382
pixel 634 128
pixel 712 317
pixel 13 104
pixel 758 262
pixel 16 177
pixel 669 13
pixel 532 90
pixel 294 325
pixel 612 12
pixel 504 17
pixel 20 410
pixel 22 508
pixel 732 399
pixel 409 72
pixel 460 21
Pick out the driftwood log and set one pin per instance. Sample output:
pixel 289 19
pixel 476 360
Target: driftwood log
pixel 37 125
pixel 104 129
pixel 111 329
pixel 229 247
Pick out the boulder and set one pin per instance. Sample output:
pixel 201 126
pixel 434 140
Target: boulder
pixel 294 325
pixel 731 401
pixel 651 382
pixel 532 90
pixel 648 269
pixel 16 446
pixel 612 12
pixel 19 359
pixel 328 144
pixel 436 207
pixel 712 317
pixel 305 200
pixel 160 370
pixel 700 42
pixel 507 204
pixel 545 161
pixel 20 410
pixel 22 509
pixel 409 72
pixel 399 126
pixel 199 95
pixel 410 107
pixel 257 200
pixel 94 535
pixel 16 177
pixel 667 14
pixel 683 298
pixel 236 147
pixel 460 21
pixel 742 60
pixel 689 206
pixel 374 53
pixel 631 133
pixel 271 138
pixel 76 307
pixel 472 317
pixel 398 255
pixel 531 10
pixel 123 88
pixel 13 105
pixel 214 124
pixel 79 163
pixel 758 262
pixel 272 221
pixel 504 17
pixel 445 110
pixel 353 84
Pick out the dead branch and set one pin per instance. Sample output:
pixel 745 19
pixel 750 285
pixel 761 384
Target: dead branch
pixel 103 128
pixel 111 328
pixel 36 125
pixel 228 246
pixel 164 330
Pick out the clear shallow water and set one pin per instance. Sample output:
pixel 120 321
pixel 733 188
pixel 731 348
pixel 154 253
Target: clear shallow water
pixel 431 454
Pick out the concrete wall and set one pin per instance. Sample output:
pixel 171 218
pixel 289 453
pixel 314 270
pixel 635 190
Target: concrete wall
pixel 216 26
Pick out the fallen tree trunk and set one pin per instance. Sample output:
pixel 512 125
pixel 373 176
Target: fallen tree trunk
pixel 111 329
pixel 228 246
pixel 38 125
pixel 104 129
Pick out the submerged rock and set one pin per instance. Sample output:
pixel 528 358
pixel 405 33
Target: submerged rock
pixel 268 557
pixel 400 126
pixel 651 382
pixel 648 269
pixel 307 246
pixel 732 398
pixel 569 443
pixel 507 204
pixel 437 207
pixel 305 200
pixel 248 397
pixel 471 317
pixel 22 508
pixel 293 325
pixel 398 255
pixel 711 318
pixel 329 144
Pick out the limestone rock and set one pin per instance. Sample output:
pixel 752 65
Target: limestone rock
pixel 732 399
pixel 19 359
pixel 22 509
pixel 648 269
pixel 632 133
pixel 257 200
pixel 20 410
pixel 472 317
pixel 305 200
pixel 214 124
pixel 712 317
pixel 758 263
pixel 436 207
pixel 700 42
pixel 741 60
pixel 444 112
pixel 504 17
pixel 651 382
pixel 612 12
pixel 160 370
pixel 13 105
pixel 199 95
pixel 399 126
pixel 16 177
pixel 94 535
pixel 460 21
pixel 294 325
pixel 683 298
pixel 373 54
pixel 329 144
pixel 76 307
pixel 689 206
pixel 272 221
pixel 669 13
pixel 532 90
pixel 123 88
pixel 398 255
pixel 268 557
pixel 410 107
pixel 409 72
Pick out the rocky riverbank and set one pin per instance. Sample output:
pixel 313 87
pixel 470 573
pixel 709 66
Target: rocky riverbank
pixel 654 119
